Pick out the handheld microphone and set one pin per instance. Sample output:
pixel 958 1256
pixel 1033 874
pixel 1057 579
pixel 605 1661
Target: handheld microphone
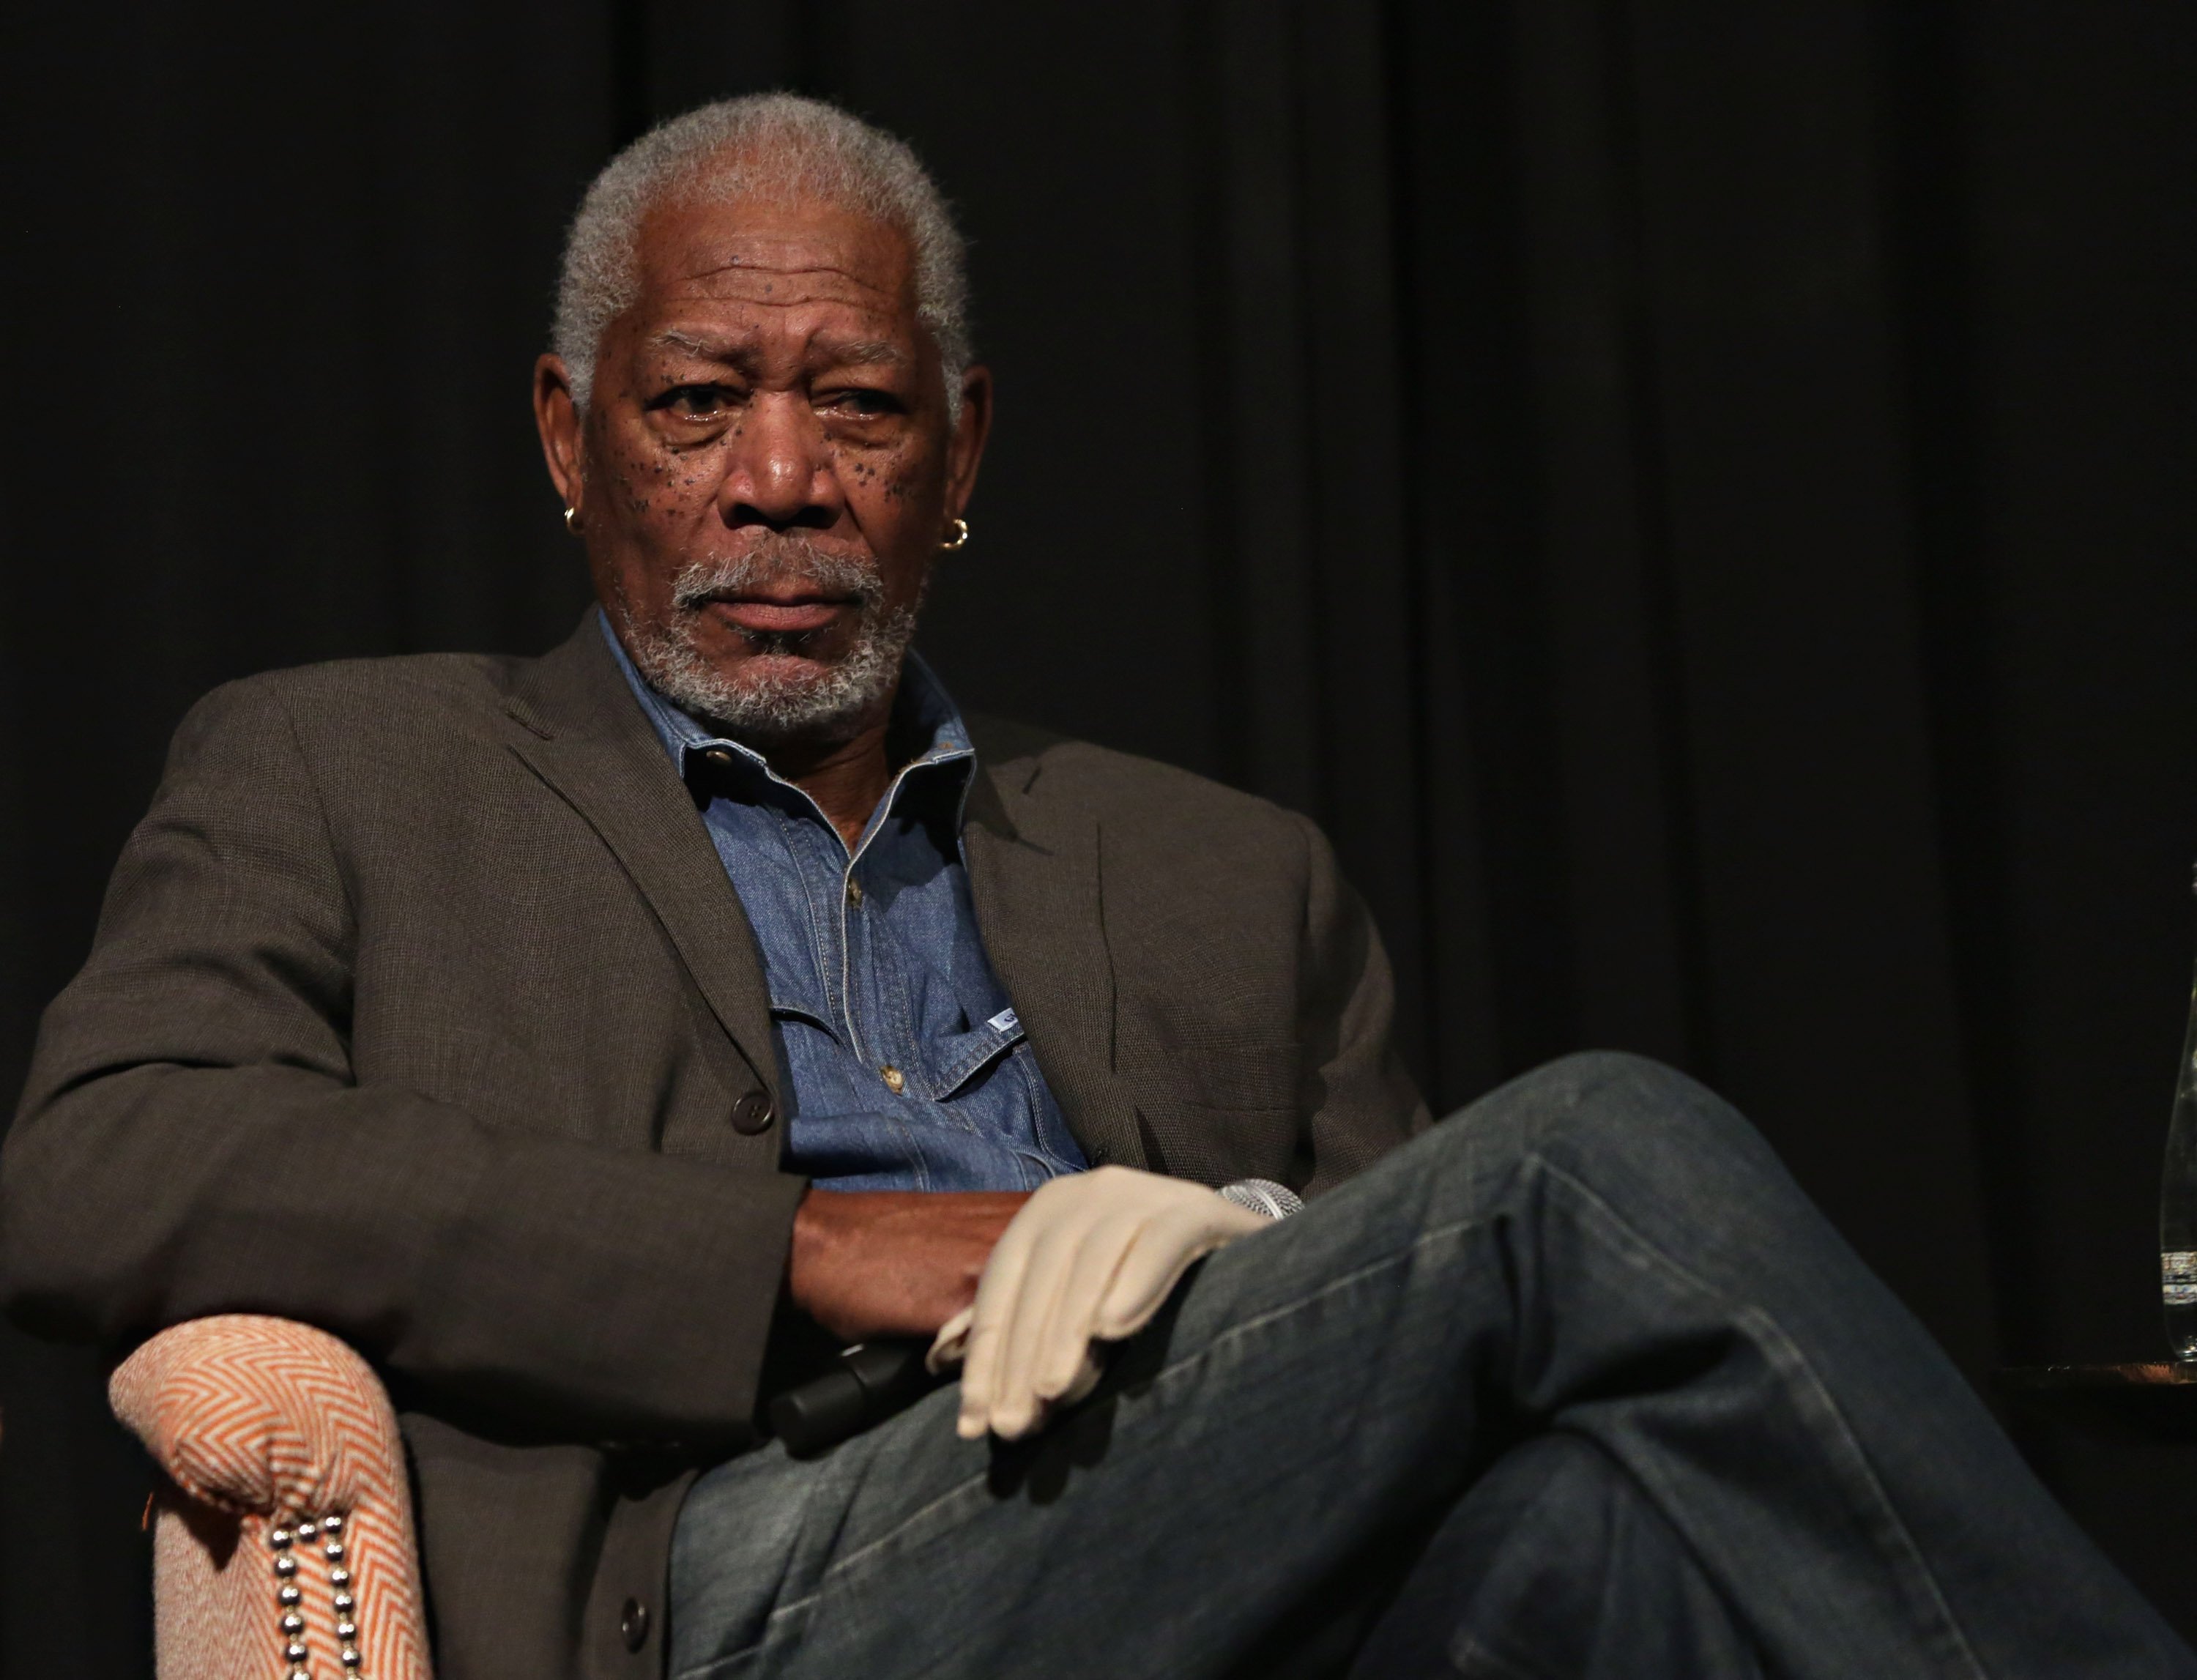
pixel 871 1382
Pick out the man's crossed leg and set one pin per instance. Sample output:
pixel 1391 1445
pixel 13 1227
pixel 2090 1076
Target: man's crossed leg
pixel 1577 1383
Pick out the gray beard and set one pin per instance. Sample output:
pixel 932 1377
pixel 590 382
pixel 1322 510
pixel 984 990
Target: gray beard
pixel 769 707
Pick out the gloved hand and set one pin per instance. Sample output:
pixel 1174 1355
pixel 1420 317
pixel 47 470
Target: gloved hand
pixel 1090 1257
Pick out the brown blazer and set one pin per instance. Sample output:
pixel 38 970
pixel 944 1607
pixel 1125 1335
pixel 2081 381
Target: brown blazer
pixel 421 1010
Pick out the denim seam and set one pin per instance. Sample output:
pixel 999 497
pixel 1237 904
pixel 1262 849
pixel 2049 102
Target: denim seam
pixel 1468 1656
pixel 1807 1387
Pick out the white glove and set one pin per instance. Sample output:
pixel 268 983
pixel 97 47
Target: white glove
pixel 1091 1256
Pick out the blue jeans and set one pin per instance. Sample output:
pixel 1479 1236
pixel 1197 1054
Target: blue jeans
pixel 1577 1384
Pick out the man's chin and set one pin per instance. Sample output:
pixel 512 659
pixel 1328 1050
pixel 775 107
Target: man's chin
pixel 765 689
pixel 783 697
pixel 774 672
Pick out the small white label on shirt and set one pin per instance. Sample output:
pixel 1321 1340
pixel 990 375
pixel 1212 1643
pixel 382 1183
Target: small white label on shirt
pixel 1004 1021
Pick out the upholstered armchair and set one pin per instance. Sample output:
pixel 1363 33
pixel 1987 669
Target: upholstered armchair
pixel 282 1544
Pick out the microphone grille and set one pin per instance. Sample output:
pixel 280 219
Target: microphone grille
pixel 1263 1196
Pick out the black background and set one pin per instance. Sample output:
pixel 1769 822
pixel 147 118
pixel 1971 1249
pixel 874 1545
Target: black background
pixel 1696 495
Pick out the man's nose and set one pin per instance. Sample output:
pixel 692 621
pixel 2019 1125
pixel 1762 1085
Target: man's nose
pixel 780 468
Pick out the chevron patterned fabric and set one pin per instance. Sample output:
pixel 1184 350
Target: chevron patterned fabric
pixel 261 1422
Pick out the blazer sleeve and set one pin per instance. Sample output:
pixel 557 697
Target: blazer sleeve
pixel 1358 1100
pixel 191 1140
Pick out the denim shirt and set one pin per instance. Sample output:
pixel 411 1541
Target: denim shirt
pixel 901 1061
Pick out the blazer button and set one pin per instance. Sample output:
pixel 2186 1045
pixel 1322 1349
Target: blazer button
pixel 752 1114
pixel 633 1623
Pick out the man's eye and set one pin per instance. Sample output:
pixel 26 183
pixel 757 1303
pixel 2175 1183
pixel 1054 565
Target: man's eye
pixel 862 403
pixel 693 402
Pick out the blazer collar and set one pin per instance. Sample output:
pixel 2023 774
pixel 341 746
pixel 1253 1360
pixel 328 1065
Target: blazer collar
pixel 588 739
pixel 1036 874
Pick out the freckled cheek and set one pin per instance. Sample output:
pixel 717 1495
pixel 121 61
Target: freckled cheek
pixel 629 474
pixel 907 485
pixel 896 475
pixel 668 487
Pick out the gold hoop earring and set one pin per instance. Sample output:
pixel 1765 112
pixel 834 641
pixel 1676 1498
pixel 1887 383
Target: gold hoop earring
pixel 960 530
pixel 572 520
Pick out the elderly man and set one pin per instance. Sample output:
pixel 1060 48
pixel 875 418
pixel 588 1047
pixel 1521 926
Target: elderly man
pixel 590 1041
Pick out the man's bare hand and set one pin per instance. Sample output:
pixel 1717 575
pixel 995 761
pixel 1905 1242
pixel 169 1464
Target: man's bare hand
pixel 890 1262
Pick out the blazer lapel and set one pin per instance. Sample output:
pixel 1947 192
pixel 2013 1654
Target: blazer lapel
pixel 1036 878
pixel 590 742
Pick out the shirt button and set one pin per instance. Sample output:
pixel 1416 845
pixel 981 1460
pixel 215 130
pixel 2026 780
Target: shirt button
pixel 633 1623
pixel 853 892
pixel 895 1081
pixel 719 759
pixel 752 1114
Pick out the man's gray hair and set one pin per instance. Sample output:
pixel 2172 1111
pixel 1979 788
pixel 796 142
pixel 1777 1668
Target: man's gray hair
pixel 774 145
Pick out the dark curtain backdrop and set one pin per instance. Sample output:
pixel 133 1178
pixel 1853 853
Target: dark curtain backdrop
pixel 1697 497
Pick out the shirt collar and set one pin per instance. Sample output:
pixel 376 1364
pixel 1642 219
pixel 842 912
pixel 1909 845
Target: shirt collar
pixel 922 711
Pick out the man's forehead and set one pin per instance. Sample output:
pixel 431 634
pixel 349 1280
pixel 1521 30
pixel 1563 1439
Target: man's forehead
pixel 777 255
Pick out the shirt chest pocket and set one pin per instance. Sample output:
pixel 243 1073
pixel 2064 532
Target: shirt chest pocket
pixel 960 1061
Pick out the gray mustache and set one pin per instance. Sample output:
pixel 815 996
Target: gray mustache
pixel 779 559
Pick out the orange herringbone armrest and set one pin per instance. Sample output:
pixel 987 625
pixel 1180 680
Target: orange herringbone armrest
pixel 262 1424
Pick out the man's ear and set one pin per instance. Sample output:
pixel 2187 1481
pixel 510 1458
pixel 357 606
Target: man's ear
pixel 557 418
pixel 964 450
